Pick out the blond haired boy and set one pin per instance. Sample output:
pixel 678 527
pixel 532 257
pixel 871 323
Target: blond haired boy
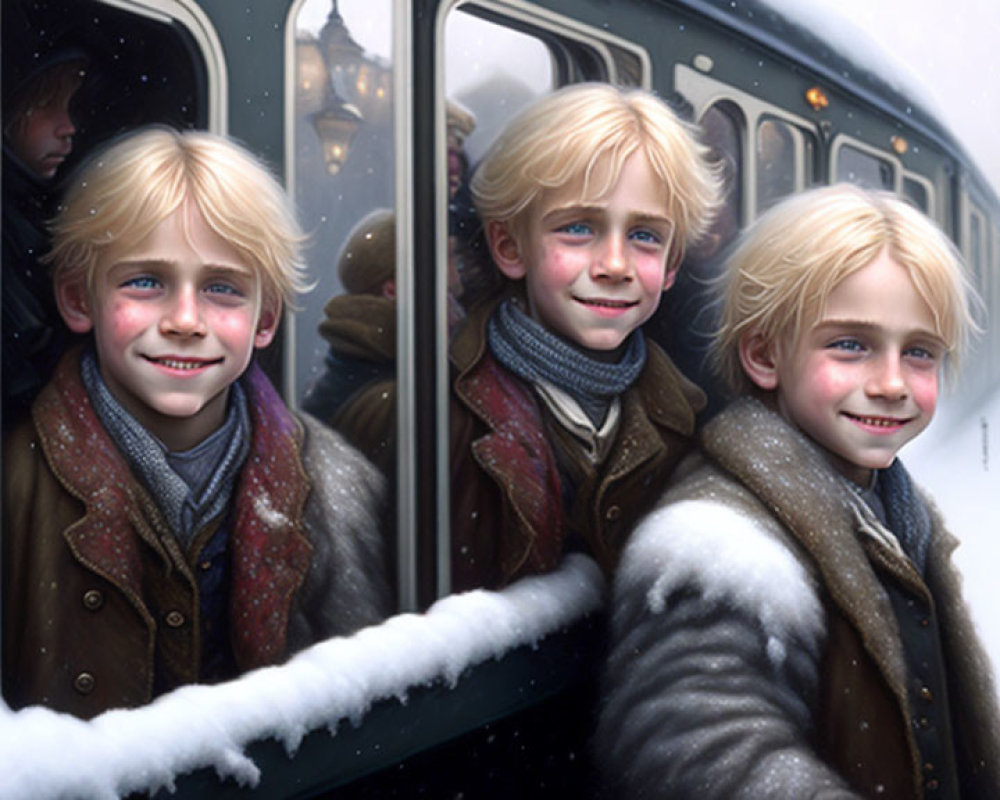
pixel 166 519
pixel 564 420
pixel 787 622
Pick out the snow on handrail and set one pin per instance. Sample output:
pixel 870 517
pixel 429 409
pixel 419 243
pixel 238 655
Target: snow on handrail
pixel 46 754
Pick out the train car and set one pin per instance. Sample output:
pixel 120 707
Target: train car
pixel 356 104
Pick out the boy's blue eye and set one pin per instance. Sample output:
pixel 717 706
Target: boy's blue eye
pixel 920 352
pixel 223 288
pixel 847 345
pixel 576 229
pixel 142 282
pixel 646 236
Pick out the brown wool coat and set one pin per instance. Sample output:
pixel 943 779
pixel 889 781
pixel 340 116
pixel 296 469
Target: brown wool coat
pixel 756 652
pixel 97 591
pixel 507 511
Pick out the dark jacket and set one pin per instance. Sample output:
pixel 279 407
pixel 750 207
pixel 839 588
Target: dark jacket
pixel 508 516
pixel 98 596
pixel 356 390
pixel 34 335
pixel 757 652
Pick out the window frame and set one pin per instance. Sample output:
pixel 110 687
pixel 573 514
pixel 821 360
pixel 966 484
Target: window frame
pixel 554 28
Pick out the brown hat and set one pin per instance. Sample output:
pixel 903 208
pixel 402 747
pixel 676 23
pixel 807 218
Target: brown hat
pixel 369 255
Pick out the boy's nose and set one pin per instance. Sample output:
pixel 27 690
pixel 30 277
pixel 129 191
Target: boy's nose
pixel 887 379
pixel 613 260
pixel 64 128
pixel 183 316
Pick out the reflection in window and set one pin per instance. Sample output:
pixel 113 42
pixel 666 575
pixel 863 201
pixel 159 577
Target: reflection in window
pixel 864 169
pixel 491 73
pixel 776 162
pixel 916 192
pixel 494 72
pixel 976 250
pixel 722 126
pixel 345 329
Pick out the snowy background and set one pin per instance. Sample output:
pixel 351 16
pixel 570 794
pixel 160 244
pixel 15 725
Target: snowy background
pixel 43 754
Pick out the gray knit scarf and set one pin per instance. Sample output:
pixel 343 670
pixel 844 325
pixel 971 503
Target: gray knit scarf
pixel 905 512
pixel 191 487
pixel 533 353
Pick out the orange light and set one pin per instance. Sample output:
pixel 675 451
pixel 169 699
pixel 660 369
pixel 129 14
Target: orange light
pixel 817 98
pixel 899 144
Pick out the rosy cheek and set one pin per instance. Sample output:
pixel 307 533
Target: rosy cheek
pixel 125 318
pixel 925 392
pixel 650 270
pixel 559 268
pixel 232 326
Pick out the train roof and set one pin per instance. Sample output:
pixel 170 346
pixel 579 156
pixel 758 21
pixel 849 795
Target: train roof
pixel 869 71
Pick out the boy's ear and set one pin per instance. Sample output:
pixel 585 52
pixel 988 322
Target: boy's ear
pixel 267 322
pixel 757 356
pixel 505 250
pixel 670 276
pixel 73 301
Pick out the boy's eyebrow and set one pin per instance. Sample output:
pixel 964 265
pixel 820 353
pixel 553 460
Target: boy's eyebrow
pixel 152 263
pixel 585 208
pixel 861 324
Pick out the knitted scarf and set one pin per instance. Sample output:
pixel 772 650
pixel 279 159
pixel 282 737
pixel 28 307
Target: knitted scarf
pixel 905 512
pixel 535 354
pixel 190 487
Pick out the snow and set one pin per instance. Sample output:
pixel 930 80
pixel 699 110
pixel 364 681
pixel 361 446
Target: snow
pixel 44 754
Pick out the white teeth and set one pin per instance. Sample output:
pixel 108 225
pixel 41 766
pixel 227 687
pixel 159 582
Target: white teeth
pixel 878 422
pixel 175 364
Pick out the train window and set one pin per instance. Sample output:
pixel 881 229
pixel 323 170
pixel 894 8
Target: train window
pixel 143 64
pixel 918 193
pixel 864 168
pixel 499 56
pixel 722 125
pixel 778 146
pixel 342 176
pixel 976 246
pixel 489 86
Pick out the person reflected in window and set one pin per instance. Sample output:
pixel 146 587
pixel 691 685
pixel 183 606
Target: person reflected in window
pixel 565 420
pixel 356 391
pixel 38 136
pixel 788 621
pixel 166 519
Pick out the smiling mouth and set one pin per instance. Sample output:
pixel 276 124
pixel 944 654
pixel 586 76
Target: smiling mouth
pixel 599 303
pixel 183 363
pixel 878 422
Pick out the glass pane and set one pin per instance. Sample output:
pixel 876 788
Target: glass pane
pixel 491 73
pixel 344 176
pixel 686 318
pixel 916 192
pixel 976 255
pixel 345 328
pixel 864 169
pixel 776 162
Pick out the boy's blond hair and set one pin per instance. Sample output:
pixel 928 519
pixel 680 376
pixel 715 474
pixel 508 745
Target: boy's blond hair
pixel 787 263
pixel 587 132
pixel 123 192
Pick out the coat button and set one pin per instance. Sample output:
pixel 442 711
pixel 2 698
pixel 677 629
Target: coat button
pixel 93 599
pixel 926 694
pixel 84 683
pixel 613 514
pixel 174 619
